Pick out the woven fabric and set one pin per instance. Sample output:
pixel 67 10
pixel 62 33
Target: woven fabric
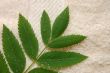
pixel 87 17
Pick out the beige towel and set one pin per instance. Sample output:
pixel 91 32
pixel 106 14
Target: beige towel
pixel 87 17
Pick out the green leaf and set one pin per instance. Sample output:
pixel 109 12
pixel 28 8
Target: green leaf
pixel 3 65
pixel 60 24
pixel 41 70
pixel 65 41
pixel 57 59
pixel 45 27
pixel 27 36
pixel 13 51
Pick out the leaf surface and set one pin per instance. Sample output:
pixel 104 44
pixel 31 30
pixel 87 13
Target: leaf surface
pixel 45 27
pixel 13 51
pixel 41 70
pixel 3 65
pixel 60 24
pixel 65 41
pixel 58 59
pixel 27 36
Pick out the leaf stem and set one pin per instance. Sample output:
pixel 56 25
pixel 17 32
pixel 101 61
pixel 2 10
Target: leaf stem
pixel 41 53
pixel 30 66
pixel 33 62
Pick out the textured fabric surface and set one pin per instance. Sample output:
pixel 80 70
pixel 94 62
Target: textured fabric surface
pixel 87 17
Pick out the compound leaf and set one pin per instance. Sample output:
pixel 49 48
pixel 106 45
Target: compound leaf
pixel 58 59
pixel 13 51
pixel 27 36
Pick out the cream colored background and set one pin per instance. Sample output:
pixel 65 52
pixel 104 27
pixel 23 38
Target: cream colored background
pixel 87 17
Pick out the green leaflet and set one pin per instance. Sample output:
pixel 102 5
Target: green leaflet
pixel 60 23
pixel 27 36
pixel 41 70
pixel 13 51
pixel 57 59
pixel 3 65
pixel 45 27
pixel 65 41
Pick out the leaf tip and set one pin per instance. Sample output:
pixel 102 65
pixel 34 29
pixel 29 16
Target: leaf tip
pixel 85 57
pixel 5 27
pixel 20 15
pixel 20 18
pixel 84 37
pixel 67 8
pixel 45 13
